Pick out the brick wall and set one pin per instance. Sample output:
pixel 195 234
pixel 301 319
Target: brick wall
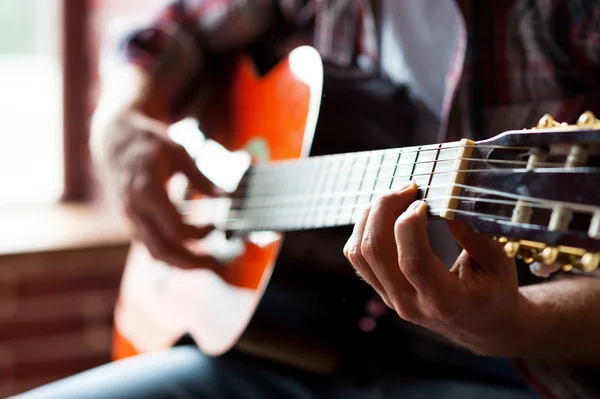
pixel 56 313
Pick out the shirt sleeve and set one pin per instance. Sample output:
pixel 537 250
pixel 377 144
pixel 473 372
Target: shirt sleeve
pixel 172 47
pixel 583 44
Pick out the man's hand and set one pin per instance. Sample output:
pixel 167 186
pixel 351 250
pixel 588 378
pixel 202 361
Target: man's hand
pixel 135 161
pixel 475 304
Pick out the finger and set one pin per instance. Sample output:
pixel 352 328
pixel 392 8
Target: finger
pixel 149 197
pixel 482 249
pixel 425 271
pixel 379 247
pixel 169 220
pixel 353 253
pixel 169 252
pixel 184 163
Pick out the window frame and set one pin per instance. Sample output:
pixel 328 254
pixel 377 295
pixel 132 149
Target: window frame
pixel 77 81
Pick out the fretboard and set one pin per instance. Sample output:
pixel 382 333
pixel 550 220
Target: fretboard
pixel 327 191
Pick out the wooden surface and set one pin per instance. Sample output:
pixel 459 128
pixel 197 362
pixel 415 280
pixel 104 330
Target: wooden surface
pixel 60 268
pixel 41 228
pixel 76 106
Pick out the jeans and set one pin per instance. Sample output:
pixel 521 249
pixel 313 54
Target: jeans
pixel 185 373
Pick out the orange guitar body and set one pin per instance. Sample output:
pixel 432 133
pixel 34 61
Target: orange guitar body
pixel 158 304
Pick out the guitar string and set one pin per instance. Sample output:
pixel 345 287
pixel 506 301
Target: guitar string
pixel 341 219
pixel 338 221
pixel 327 175
pixel 268 168
pixel 263 166
pixel 371 193
pixel 274 168
pixel 320 207
pixel 348 219
pixel 374 182
pixel 344 207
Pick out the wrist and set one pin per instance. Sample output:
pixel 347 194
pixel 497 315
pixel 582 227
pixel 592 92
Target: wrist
pixel 516 335
pixel 535 323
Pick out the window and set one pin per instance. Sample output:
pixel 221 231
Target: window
pixel 31 157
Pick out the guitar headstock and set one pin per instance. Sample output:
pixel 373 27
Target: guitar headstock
pixel 537 191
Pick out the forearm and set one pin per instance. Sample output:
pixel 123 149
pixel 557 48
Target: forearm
pixel 560 320
pixel 130 87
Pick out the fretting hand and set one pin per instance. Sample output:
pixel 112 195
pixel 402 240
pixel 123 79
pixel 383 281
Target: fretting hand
pixel 475 304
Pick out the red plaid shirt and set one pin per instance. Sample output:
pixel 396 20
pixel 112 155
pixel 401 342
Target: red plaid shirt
pixel 515 61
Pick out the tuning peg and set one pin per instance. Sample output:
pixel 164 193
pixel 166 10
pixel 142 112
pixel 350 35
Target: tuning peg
pixel 590 261
pixel 532 251
pixel 546 121
pixel 511 249
pixel 587 119
pixel 550 255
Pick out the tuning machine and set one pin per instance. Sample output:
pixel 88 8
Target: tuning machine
pixel 586 119
pixel 532 251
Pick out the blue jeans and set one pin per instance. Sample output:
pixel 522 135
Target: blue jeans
pixel 185 373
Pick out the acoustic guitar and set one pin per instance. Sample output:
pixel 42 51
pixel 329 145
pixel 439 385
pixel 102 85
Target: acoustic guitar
pixel 532 190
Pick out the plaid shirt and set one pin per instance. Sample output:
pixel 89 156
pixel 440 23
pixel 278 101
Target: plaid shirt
pixel 515 61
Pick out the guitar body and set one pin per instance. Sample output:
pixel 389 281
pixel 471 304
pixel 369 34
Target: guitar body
pixel 272 117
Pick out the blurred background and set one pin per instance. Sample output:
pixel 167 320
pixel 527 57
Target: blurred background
pixel 61 255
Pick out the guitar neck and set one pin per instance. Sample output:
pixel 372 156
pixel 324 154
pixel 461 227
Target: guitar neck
pixel 328 191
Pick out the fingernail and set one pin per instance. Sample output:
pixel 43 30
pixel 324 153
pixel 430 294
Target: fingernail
pixel 418 208
pixel 407 186
pixel 421 208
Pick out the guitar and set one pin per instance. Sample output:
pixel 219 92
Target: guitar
pixel 529 189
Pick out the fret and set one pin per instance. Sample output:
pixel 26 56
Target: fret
pixel 367 182
pixel 424 165
pixel 332 172
pixel 376 155
pixel 369 178
pixel 305 209
pixel 385 177
pixel 439 183
pixel 433 169
pixel 333 190
pixel 317 194
pixel 339 186
pixel 300 189
pixel 253 187
pixel 253 184
pixel 465 150
pixel 348 202
pixel 405 167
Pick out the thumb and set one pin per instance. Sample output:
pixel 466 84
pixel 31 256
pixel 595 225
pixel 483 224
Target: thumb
pixel 481 248
pixel 183 162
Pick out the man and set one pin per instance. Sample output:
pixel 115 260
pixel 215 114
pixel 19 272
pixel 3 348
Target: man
pixel 479 68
